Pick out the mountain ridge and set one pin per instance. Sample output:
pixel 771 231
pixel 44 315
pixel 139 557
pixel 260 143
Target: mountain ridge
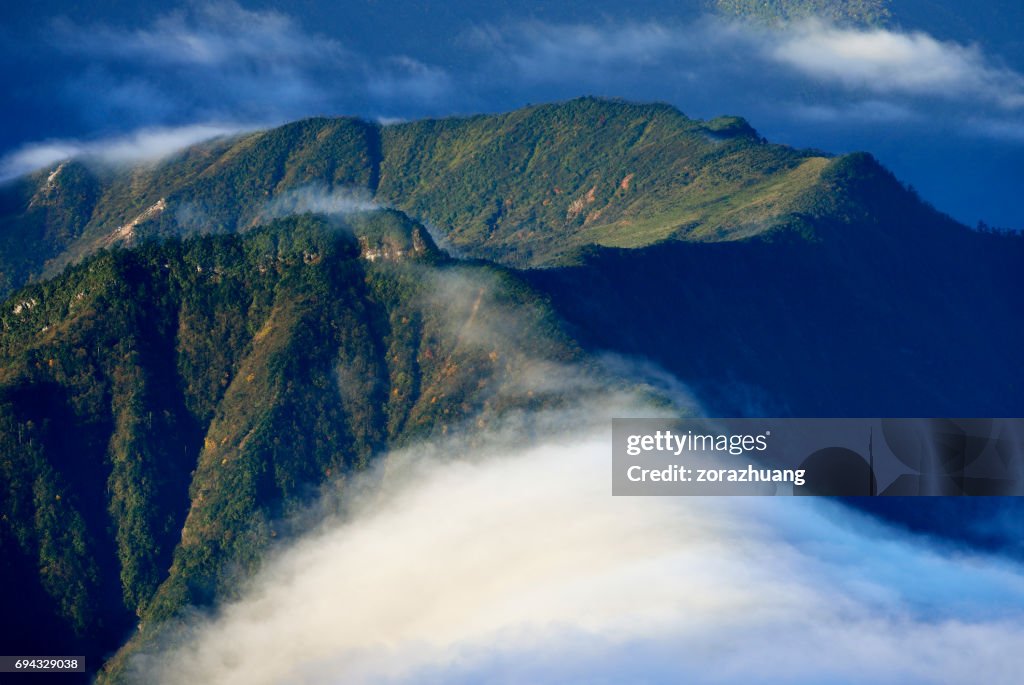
pixel 521 188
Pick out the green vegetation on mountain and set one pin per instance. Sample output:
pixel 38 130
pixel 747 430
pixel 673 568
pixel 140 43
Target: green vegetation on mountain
pixel 42 215
pixel 164 408
pixel 523 188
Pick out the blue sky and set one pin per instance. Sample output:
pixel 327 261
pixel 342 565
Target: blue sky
pixel 938 95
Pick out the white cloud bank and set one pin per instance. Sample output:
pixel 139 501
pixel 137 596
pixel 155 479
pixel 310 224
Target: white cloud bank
pixel 517 565
pixel 885 61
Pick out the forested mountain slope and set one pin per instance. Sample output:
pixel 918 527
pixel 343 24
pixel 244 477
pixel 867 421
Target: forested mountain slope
pixel 163 409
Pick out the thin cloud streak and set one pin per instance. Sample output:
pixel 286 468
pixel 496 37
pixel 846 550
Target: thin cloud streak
pixel 870 111
pixel 144 145
pixel 212 34
pixel 401 79
pixel 542 52
pixel 317 198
